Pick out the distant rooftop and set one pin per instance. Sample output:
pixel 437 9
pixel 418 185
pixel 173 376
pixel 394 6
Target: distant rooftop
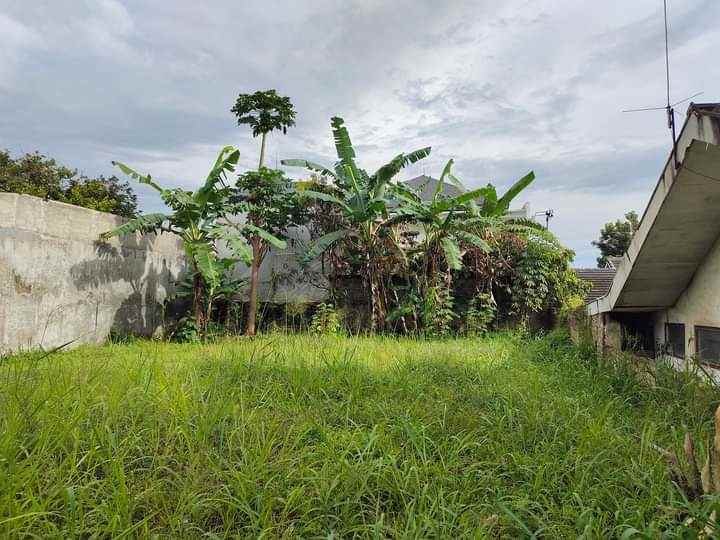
pixel 600 278
pixel 425 186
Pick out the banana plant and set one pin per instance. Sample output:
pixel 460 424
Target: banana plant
pixel 448 223
pixel 202 219
pixel 364 201
pixel 448 226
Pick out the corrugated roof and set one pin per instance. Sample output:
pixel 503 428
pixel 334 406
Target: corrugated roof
pixel 600 278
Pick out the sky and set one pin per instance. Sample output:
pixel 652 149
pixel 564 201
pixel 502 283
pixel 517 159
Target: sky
pixel 500 87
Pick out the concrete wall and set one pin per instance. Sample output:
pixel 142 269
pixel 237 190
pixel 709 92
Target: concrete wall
pixel 284 280
pixel 59 283
pixel 698 305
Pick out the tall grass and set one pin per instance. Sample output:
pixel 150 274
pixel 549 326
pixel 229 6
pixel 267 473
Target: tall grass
pixel 288 436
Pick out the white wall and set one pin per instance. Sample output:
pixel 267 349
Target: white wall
pixel 698 305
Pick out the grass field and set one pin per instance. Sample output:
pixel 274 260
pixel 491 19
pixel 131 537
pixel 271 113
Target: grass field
pixel 330 437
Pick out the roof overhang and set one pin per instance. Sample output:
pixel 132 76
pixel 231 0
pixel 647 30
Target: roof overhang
pixel 678 229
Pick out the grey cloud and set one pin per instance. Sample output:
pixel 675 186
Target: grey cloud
pixel 502 88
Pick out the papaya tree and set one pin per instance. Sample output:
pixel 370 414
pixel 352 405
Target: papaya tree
pixel 202 219
pixel 364 202
pixel 264 111
pixel 271 206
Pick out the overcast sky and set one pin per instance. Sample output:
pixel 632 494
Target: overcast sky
pixel 502 87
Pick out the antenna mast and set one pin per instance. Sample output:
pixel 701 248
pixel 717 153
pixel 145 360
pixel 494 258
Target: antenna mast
pixel 669 108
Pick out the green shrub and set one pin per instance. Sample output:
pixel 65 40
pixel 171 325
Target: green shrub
pixel 326 320
pixel 480 314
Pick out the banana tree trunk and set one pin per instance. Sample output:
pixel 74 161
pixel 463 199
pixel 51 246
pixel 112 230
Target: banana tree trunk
pixel 377 313
pixel 197 301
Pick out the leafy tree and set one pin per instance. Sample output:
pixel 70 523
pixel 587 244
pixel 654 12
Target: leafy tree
pixel 201 219
pixel 264 111
pixel 363 201
pixel 102 194
pixel 271 206
pixel 615 238
pixel 40 176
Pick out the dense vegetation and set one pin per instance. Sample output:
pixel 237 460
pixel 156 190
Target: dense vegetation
pixel 303 436
pixel 430 265
pixel 40 176
pixel 398 261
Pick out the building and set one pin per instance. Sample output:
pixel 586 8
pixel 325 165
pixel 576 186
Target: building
pixel 664 299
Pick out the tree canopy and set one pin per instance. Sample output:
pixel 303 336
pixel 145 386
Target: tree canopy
pixel 264 111
pixel 615 237
pixel 38 175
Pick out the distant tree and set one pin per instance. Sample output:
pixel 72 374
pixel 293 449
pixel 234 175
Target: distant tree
pixel 271 205
pixel 615 238
pixel 40 176
pixel 264 111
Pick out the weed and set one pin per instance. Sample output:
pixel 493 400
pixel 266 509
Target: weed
pixel 329 436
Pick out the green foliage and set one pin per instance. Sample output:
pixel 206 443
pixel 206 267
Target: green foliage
pixel 326 320
pixel 436 312
pixel 202 219
pixel 37 175
pixel 271 207
pixel 186 331
pixel 527 271
pixel 364 236
pixel 480 314
pixel 615 238
pixel 541 273
pixel 264 111
pixel 316 436
pixel 387 234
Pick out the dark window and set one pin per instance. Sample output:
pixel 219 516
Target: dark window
pixel 708 344
pixel 675 333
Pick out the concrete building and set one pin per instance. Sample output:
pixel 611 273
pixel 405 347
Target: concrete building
pixel 665 296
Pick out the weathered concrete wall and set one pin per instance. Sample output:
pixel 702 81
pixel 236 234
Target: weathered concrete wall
pixel 58 283
pixel 606 332
pixel 698 305
pixel 283 280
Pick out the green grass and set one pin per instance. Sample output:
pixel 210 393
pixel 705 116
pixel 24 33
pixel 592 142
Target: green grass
pixel 288 436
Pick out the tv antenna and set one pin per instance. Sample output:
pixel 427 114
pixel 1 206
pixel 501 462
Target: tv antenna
pixel 669 107
pixel 549 213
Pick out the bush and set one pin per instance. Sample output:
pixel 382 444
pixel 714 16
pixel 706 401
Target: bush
pixel 326 320
pixel 480 314
pixel 37 175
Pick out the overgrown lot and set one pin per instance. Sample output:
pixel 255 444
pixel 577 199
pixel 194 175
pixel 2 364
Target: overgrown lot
pixel 287 436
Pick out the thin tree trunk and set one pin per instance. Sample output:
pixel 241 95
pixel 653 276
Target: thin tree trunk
pixel 197 306
pixel 254 281
pixel 262 151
